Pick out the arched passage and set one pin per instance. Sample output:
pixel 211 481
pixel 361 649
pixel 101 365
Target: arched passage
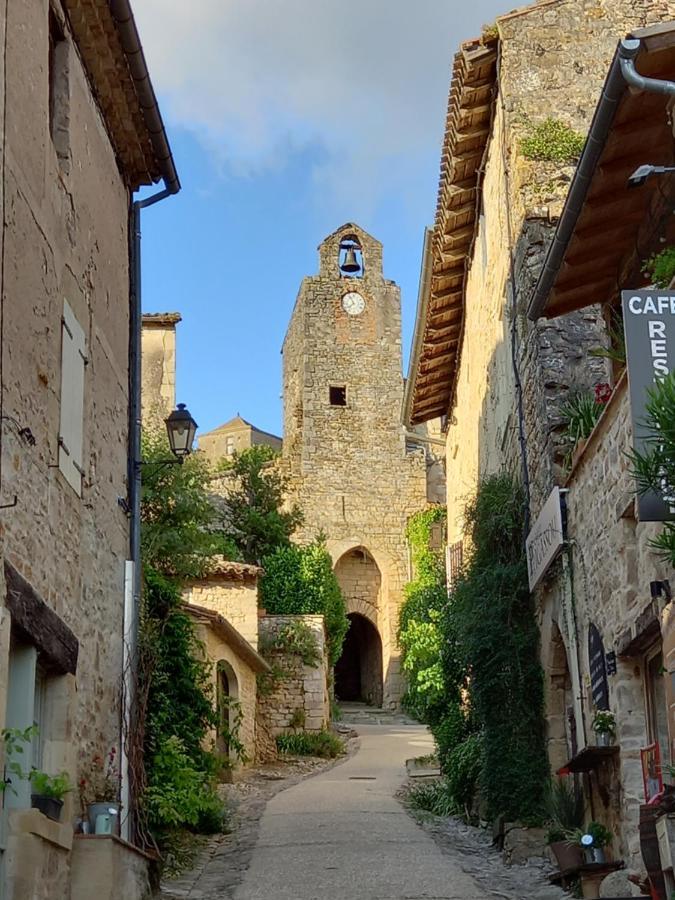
pixel 228 695
pixel 561 729
pixel 358 672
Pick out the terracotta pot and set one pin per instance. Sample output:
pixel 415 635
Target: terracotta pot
pixel 567 855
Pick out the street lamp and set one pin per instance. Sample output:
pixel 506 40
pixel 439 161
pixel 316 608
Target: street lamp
pixel 181 429
pixel 642 173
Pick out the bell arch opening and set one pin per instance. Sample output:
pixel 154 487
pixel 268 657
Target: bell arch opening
pixel 350 257
pixel 358 672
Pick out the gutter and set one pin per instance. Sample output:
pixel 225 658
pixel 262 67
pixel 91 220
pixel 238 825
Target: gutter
pixel 621 72
pixel 420 318
pixel 125 24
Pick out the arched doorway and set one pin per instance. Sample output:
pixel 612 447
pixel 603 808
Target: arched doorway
pixel 227 696
pixel 358 672
pixel 560 721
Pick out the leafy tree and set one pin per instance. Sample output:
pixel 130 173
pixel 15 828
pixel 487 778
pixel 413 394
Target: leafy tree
pixel 654 467
pixel 254 514
pixel 180 524
pixel 300 581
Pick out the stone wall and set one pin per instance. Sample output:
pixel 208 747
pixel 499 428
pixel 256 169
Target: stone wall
pixel 234 599
pixel 348 465
pixel 158 367
pixel 296 697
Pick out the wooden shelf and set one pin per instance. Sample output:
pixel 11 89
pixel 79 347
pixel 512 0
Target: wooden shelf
pixel 586 869
pixel 589 758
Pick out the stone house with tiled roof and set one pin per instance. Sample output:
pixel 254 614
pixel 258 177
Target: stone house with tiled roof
pixel 502 380
pixel 81 133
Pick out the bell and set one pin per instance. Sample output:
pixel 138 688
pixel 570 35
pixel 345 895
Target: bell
pixel 351 264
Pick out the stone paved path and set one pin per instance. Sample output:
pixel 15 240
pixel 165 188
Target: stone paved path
pixel 342 834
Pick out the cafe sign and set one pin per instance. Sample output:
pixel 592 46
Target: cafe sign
pixel 649 327
pixel 546 538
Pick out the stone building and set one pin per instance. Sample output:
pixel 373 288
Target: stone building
pixel 158 392
pixel 345 449
pixel 500 379
pixel 81 132
pixel 235 435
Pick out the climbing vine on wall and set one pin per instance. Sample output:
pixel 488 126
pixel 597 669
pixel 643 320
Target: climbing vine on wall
pixel 492 622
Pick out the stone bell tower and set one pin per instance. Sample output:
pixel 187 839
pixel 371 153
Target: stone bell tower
pixel 345 448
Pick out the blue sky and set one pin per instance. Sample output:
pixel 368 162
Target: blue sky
pixel 287 119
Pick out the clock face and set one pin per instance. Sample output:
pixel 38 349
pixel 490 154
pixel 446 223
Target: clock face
pixel 353 303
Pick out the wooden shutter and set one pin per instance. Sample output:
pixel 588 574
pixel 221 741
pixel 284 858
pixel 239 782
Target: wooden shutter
pixel 73 360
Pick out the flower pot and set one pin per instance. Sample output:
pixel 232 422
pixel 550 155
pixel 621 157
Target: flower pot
pixel 603 739
pixel 567 854
pixel 109 808
pixel 48 806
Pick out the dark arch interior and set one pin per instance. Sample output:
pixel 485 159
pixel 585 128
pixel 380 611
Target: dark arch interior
pixel 358 672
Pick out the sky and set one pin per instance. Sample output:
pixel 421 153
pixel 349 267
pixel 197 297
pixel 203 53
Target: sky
pixel 287 118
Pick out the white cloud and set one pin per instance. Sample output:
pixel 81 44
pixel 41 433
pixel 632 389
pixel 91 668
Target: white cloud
pixel 366 82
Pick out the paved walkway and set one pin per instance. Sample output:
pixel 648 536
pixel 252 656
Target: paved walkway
pixel 342 834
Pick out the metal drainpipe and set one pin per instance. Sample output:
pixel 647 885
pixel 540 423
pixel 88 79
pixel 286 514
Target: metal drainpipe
pixel 134 479
pixel 628 51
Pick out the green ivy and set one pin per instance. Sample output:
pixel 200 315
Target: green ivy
pixel 295 638
pixel 301 581
pixel 552 141
pixel 492 626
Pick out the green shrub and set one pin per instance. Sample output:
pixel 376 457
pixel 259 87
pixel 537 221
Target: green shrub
pixel 310 743
pixel 54 786
pixel 552 141
pixel 295 638
pixel 449 732
pixel 660 267
pixel 463 770
pixel 300 581
pixel 433 797
pixel 179 794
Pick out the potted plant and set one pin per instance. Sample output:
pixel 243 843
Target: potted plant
pixel 99 792
pixel 566 814
pixel 604 726
pixel 593 841
pixel 48 791
pixel 568 854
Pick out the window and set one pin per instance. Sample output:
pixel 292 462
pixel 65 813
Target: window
pixel 73 361
pixel 656 704
pixel 337 394
pixel 59 89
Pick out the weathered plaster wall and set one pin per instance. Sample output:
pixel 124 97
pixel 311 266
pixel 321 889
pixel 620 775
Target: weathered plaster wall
pixel 236 601
pixel 158 393
pixel 349 470
pixel 299 690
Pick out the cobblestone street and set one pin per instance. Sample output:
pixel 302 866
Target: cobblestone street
pixel 342 833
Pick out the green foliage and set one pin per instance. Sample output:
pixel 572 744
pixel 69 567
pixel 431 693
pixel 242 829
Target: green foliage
pixel 433 797
pixel 582 411
pixel 660 267
pixel 180 794
pixel 230 717
pixel 54 786
pixel 463 770
pixel 254 514
pixel 601 835
pixel 617 341
pixel 451 729
pixel 301 581
pixel 604 722
pixel 15 741
pixel 418 633
pixel 295 638
pixel 552 141
pixel 324 744
pixel 565 807
pixel 493 629
pixel 181 530
pixel 654 467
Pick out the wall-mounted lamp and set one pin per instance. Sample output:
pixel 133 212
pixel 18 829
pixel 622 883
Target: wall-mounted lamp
pixel 181 429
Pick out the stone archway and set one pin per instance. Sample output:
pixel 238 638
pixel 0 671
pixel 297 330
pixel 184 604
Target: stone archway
pixel 359 671
pixel 560 722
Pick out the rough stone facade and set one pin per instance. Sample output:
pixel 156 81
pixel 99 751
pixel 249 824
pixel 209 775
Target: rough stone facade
pixel 158 368
pixel 232 591
pixel 297 695
pixel 234 436
pixel 349 469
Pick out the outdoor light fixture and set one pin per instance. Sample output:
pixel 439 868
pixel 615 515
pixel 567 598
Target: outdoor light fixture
pixel 642 173
pixel 181 429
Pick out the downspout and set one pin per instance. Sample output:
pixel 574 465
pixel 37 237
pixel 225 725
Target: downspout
pixel 628 51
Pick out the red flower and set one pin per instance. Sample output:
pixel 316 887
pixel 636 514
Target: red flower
pixel 603 392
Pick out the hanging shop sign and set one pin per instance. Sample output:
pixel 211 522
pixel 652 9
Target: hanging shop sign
pixel 546 538
pixel 649 327
pixel 598 669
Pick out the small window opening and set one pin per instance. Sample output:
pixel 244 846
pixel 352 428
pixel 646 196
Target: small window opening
pixel 229 446
pixel 59 89
pixel 337 394
pixel 350 257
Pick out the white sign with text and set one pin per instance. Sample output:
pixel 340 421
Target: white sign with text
pixel 546 538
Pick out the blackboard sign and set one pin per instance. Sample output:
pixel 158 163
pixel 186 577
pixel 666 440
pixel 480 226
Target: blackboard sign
pixel 596 661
